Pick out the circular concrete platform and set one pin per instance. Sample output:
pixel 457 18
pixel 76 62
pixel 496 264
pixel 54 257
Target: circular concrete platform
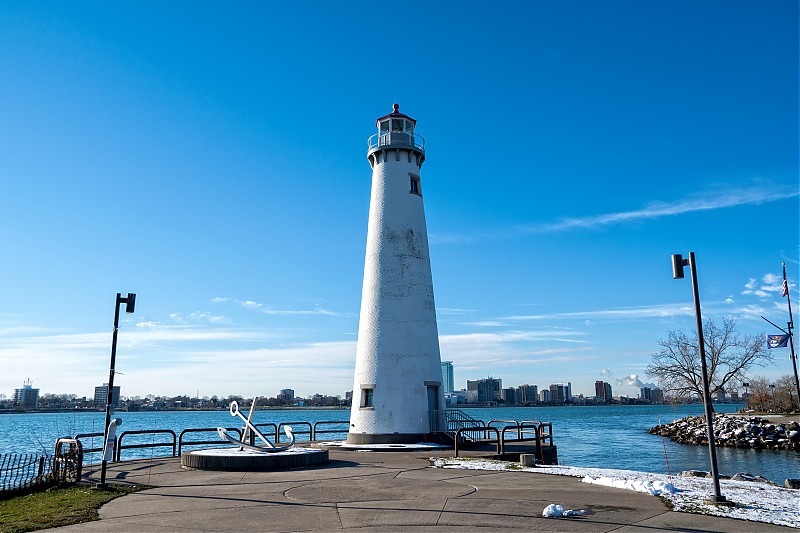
pixel 235 460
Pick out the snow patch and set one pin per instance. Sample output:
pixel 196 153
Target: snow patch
pixel 754 501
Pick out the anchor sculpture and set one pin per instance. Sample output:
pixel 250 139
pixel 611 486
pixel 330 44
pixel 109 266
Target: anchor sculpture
pixel 248 427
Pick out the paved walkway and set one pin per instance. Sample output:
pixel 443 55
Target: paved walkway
pixel 379 491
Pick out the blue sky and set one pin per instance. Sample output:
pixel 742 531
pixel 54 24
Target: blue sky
pixel 212 159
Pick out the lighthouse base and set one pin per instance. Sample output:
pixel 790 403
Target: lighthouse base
pixel 386 438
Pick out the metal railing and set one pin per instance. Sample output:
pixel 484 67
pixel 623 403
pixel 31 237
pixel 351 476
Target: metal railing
pixel 260 428
pixel 177 443
pixel 396 138
pixel 484 429
pixel 182 443
pixel 450 421
pixel 316 433
pixel 508 423
pixel 295 432
pixel 119 446
pixel 99 435
pixel 540 429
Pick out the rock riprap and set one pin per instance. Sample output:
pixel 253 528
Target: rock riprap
pixel 733 431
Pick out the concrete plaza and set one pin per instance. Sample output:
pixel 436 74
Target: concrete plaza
pixel 379 491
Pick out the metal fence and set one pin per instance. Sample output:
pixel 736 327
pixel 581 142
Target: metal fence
pixel 20 471
pixel 23 472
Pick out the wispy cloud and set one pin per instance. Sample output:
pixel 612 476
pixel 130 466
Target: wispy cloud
pixel 270 310
pixel 649 311
pixel 453 311
pixel 771 284
pixel 755 195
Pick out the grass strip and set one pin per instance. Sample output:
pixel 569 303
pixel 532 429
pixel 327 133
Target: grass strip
pixel 57 506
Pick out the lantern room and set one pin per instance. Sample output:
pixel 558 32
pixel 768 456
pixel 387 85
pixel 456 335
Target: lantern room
pixel 396 130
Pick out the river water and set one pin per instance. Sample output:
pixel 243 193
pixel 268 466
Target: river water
pixel 599 436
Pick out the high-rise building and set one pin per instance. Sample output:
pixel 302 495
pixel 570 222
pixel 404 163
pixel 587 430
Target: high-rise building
pixel 447 376
pixel 398 394
pixel 651 394
pixel 558 393
pixel 286 395
pixel 509 395
pixel 484 390
pixel 602 390
pixel 527 394
pixel 544 395
pixel 101 396
pixel 27 397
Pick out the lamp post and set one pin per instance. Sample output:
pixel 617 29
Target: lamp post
pixel 678 262
pixel 747 396
pixel 130 303
pixel 772 391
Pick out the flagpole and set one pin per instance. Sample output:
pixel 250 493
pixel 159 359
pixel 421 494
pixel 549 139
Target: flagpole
pixel 790 326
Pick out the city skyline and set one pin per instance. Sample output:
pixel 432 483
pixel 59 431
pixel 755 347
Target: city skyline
pixel 213 161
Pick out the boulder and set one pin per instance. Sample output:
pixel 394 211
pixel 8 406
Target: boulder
pixel 694 473
pixel 792 483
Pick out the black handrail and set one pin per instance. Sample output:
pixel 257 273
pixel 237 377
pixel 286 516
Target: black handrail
pixel 204 430
pixel 484 429
pixel 513 423
pixel 120 447
pixel 90 435
pixel 280 427
pixel 259 426
pixel 540 428
pixel 329 422
pixel 520 429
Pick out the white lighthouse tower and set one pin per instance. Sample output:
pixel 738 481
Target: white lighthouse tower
pixel 397 390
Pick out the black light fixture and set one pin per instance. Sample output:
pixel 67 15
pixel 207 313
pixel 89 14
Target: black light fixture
pixel 678 262
pixel 130 304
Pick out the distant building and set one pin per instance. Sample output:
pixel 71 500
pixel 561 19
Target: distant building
pixel 569 391
pixel 101 396
pixel 544 396
pixel 27 397
pixel 484 390
pixel 447 376
pixel 650 394
pixel 527 394
pixel 456 397
pixel 558 393
pixel 509 395
pixel 602 390
pixel 286 395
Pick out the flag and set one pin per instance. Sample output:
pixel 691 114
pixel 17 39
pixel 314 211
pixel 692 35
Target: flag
pixel 777 341
pixel 785 288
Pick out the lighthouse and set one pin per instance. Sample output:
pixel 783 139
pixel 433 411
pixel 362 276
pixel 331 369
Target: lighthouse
pixel 397 389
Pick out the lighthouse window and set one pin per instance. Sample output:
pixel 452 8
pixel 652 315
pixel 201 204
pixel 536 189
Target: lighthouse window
pixel 415 188
pixel 367 397
pixel 385 125
pixel 397 124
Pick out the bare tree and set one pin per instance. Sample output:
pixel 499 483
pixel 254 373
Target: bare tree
pixel 759 397
pixel 783 399
pixel 729 355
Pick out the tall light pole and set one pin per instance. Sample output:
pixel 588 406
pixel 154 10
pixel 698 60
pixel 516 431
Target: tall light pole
pixel 678 262
pixel 747 396
pixel 130 303
pixel 772 390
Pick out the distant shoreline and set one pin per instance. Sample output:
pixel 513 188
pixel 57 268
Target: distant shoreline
pixel 217 410
pixel 343 408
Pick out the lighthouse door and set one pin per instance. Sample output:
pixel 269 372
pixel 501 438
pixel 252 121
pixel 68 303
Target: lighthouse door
pixel 433 407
